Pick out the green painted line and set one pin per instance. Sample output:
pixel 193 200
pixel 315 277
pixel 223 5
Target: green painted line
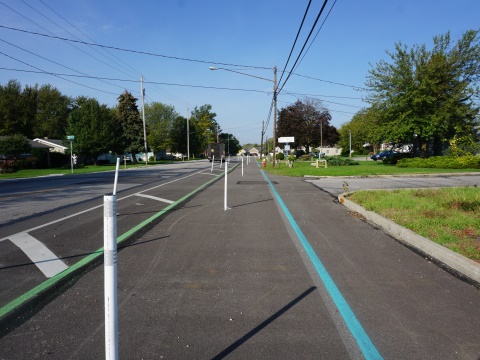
pixel 49 283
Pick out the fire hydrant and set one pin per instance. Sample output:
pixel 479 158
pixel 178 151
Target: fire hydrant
pixel 264 163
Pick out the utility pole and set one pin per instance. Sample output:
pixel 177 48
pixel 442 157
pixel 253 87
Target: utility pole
pixel 217 133
pixel 261 141
pixel 143 116
pixel 274 113
pixel 188 135
pixel 350 135
pixel 321 140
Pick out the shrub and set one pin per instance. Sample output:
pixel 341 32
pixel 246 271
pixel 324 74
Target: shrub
pixel 442 162
pixel 280 156
pixel 306 157
pixel 393 160
pixel 293 158
pixel 337 161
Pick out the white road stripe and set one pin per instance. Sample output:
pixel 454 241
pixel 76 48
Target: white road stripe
pixel 40 255
pixel 95 207
pixel 155 198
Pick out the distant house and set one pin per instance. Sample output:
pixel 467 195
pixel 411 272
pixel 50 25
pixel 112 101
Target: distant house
pixel 53 145
pixel 254 151
pixel 331 151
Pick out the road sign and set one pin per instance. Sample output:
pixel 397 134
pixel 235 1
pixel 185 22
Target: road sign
pixel 286 139
pixel 71 137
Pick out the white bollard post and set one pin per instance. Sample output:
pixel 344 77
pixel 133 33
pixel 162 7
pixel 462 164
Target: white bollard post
pixel 242 165
pixel 213 160
pixel 116 177
pixel 110 266
pixel 225 196
pixel 221 161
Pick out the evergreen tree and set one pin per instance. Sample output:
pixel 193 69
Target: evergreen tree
pixel 128 116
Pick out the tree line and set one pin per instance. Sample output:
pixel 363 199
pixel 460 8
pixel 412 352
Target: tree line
pixel 44 112
pixel 428 98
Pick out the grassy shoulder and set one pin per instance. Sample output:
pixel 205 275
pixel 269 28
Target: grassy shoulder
pixel 365 168
pixel 448 216
pixel 29 173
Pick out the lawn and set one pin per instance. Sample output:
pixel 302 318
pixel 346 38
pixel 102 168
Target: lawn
pixel 448 216
pixel 366 168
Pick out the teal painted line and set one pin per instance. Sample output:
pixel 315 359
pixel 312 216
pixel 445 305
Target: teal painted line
pixel 49 283
pixel 366 346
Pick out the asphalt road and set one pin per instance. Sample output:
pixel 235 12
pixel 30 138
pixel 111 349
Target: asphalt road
pixel 286 272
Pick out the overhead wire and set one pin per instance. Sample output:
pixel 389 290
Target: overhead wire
pixel 54 62
pixel 40 26
pixel 112 57
pixel 295 42
pixel 53 74
pixel 303 47
pixel 127 80
pixel 133 51
pixel 318 31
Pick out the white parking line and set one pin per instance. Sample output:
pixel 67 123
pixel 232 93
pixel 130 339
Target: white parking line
pixel 155 198
pixel 40 255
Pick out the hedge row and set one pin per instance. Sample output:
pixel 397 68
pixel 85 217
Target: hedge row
pixel 338 161
pixel 442 162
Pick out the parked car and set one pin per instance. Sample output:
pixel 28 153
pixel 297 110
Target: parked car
pixel 383 154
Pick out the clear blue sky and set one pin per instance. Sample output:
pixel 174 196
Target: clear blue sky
pixel 243 32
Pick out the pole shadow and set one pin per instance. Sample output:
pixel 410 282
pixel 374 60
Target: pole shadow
pixel 263 325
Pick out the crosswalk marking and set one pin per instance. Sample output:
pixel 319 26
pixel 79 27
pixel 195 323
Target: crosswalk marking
pixel 47 262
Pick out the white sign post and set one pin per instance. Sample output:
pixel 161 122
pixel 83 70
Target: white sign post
pixel 70 138
pixel 225 207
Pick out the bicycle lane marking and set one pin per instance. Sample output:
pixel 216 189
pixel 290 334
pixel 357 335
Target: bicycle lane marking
pixel 369 350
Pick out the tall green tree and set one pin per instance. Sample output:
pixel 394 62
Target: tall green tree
pixel 132 140
pixel 11 109
pixel 364 128
pixel 94 128
pixel 177 135
pixel 206 126
pixel 159 119
pixel 232 145
pixel 426 94
pixel 52 113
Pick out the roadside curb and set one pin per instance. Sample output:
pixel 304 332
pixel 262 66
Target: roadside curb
pixel 395 175
pixel 452 260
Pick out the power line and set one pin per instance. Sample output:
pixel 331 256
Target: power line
pixel 88 37
pixel 40 26
pixel 46 72
pixel 296 38
pixel 305 43
pixel 331 82
pixel 126 80
pixel 318 31
pixel 132 51
pixel 52 61
pixel 127 67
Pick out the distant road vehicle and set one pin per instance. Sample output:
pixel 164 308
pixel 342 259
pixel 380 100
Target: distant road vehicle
pixel 383 154
pixel 216 152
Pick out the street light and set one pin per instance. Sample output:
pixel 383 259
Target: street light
pixel 274 101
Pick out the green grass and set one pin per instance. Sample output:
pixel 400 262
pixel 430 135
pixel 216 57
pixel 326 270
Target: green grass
pixel 448 216
pixel 27 173
pixel 366 168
